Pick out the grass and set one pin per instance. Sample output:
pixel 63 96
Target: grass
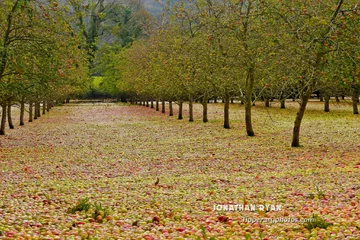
pixel 113 154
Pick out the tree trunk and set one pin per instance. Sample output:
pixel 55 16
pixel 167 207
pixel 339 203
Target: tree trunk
pixel 191 113
pixel 157 105
pixel 163 106
pixel 30 111
pixel 226 111
pixel 267 103
pixel 355 99
pixel 249 102
pixel 38 109
pixel 44 107
pixel 171 108
pixel 337 99
pixel 205 108
pixel 22 112
pixel 180 116
pixel 3 119
pixel 249 128
pixel 11 125
pixel 282 103
pixel 327 104
pixel 232 100
pixel 48 106
pixel 68 100
pixel 215 99
pixel 298 119
pixel 152 104
pixel 35 111
pixel 147 103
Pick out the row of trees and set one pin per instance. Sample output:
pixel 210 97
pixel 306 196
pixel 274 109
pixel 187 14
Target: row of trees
pixel 244 49
pixel 41 58
pixel 50 48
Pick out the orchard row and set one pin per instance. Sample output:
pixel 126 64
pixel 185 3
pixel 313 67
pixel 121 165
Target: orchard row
pixel 249 50
pixel 41 58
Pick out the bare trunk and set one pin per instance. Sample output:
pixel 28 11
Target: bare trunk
pixel 282 103
pixel 11 125
pixel 22 112
pixel 327 104
pixel 355 100
pixel 35 111
pixel 48 106
pixel 157 105
pixel 215 99
pixel 249 128
pixel 249 102
pixel 147 104
pixel 171 108
pixel 267 103
pixel 30 111
pixel 180 116
pixel 191 113
pixel 163 106
pixel 337 99
pixel 38 109
pixel 44 107
pixel 226 111
pixel 355 97
pixel 205 108
pixel 3 119
pixel 298 119
pixel 152 104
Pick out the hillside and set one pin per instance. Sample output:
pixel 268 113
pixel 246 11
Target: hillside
pixel 155 7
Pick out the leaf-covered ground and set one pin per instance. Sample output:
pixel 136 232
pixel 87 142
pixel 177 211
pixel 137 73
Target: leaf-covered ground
pixel 113 154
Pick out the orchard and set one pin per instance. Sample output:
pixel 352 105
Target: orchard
pixel 230 119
